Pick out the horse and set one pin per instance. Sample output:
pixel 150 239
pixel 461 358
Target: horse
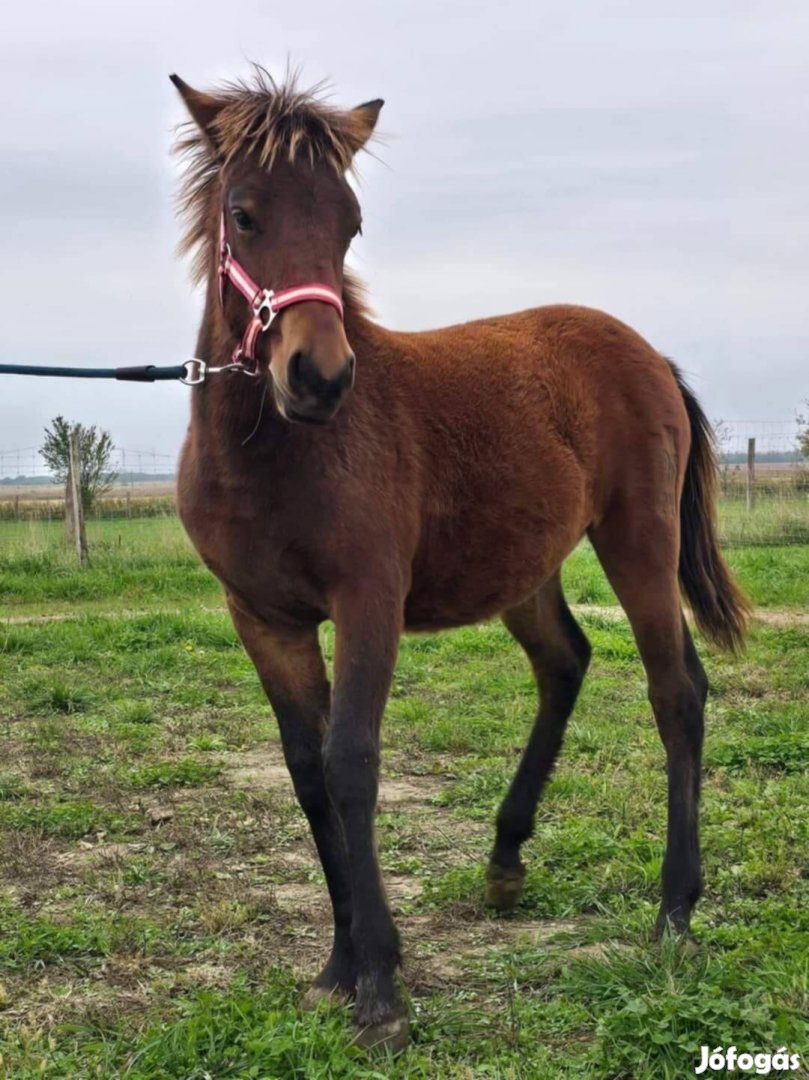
pixel 391 482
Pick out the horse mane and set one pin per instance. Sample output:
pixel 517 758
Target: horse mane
pixel 269 120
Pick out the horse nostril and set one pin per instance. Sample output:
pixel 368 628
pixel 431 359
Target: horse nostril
pixel 305 380
pixel 302 375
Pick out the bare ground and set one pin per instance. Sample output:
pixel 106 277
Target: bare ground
pixel 267 897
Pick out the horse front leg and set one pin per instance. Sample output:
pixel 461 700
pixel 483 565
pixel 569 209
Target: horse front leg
pixel 368 625
pixel 290 665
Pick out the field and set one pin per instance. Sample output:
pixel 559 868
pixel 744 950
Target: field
pixel 161 906
pixel 37 493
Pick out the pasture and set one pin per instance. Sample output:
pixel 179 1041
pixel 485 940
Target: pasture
pixel 159 885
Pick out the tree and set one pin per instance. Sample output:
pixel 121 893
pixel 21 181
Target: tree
pixel 803 435
pixel 723 436
pixel 95 448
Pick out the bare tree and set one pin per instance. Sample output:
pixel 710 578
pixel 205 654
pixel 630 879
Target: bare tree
pixel 95 447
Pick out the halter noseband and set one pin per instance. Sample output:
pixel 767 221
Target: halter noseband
pixel 264 303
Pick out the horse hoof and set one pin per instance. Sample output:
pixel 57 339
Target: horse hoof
pixel 389 1036
pixel 329 996
pixel 504 887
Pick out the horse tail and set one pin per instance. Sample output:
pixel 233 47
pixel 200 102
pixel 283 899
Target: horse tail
pixel 721 610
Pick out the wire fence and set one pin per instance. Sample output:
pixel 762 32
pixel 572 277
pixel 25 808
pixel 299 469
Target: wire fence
pixel 764 482
pixel 142 486
pixel 764 485
pixel 26 468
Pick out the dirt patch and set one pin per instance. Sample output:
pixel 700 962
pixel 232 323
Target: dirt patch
pixel 437 950
pixel 413 789
pixel 260 770
pixel 297 896
pixel 760 615
pixel 265 770
pixel 88 854
pixel 781 618
pixel 313 896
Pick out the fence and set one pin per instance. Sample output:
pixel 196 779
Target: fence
pixel 764 497
pixel 143 487
pixel 764 483
pixel 25 467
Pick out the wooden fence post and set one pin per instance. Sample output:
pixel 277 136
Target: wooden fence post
pixel 751 473
pixel 74 509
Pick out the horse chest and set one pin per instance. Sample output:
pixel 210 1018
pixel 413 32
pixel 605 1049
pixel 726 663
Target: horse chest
pixel 257 548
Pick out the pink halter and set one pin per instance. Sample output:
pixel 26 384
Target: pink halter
pixel 264 303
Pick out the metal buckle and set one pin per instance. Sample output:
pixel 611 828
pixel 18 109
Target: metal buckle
pixel 192 379
pixel 264 310
pixel 237 365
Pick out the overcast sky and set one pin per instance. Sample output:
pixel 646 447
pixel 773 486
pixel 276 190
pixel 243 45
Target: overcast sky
pixel 647 158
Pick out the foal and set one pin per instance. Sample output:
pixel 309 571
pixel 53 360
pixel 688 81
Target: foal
pixel 391 481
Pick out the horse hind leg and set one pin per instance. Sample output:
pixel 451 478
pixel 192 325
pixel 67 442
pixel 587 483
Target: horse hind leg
pixel 639 551
pixel 559 654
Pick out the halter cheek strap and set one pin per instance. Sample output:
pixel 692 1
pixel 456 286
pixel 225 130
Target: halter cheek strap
pixel 264 303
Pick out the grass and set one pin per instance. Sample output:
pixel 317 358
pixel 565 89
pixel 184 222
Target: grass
pixel 780 513
pixel 161 906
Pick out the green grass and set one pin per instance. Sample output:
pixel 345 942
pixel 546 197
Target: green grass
pixel 129 559
pixel 780 517
pixel 133 560
pixel 185 773
pixel 159 910
pixel 70 819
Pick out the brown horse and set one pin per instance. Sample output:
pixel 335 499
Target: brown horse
pixel 446 486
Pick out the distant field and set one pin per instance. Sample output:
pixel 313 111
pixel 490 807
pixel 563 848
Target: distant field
pixel 142 489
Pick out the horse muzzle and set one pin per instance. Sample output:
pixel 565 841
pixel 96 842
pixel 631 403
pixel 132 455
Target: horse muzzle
pixel 309 396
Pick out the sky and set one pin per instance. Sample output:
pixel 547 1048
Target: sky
pixel 649 159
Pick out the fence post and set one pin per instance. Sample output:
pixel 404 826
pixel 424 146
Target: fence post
pixel 74 509
pixel 751 473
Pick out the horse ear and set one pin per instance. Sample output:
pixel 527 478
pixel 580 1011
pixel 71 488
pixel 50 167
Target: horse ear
pixel 203 108
pixel 363 122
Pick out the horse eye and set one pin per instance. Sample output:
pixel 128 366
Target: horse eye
pixel 243 220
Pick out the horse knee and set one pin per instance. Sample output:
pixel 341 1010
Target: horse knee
pixel 560 677
pixel 306 771
pixel 351 769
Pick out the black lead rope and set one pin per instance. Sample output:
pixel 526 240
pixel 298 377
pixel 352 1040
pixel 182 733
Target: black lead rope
pixel 145 373
pixel 191 373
